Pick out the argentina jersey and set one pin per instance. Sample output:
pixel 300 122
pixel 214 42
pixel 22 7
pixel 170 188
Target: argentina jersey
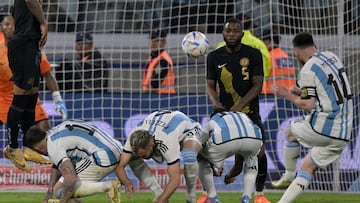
pixel 78 140
pixel 168 123
pixel 169 130
pixel 324 78
pixel 227 126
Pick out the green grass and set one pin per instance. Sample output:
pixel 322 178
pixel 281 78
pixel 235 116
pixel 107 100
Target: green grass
pixel 229 197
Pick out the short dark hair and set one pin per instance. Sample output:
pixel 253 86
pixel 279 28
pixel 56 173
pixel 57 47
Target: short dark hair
pixel 33 136
pixel 84 37
pixel 274 36
pixel 233 20
pixel 3 16
pixel 303 39
pixel 139 139
pixel 158 34
pixel 5 10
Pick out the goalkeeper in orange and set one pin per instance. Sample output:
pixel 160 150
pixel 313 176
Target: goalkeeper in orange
pixel 7 89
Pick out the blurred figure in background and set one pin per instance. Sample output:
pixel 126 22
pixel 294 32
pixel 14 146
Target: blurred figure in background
pixel 159 69
pixel 88 71
pixel 282 67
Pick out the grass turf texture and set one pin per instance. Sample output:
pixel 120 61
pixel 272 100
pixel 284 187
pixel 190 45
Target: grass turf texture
pixel 179 197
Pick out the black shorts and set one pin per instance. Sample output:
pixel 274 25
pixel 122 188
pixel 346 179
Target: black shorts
pixel 24 61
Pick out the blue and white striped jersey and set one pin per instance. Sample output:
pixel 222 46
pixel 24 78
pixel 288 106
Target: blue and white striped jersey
pixel 226 126
pixel 323 77
pixel 79 140
pixel 169 129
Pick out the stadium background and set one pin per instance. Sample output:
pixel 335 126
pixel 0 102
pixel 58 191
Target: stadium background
pixel 121 33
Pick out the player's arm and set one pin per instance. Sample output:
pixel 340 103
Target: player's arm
pixel 304 101
pixel 121 172
pixel 254 91
pixel 54 177
pixel 173 171
pixel 67 170
pixel 235 170
pixel 51 83
pixel 36 9
pixel 211 89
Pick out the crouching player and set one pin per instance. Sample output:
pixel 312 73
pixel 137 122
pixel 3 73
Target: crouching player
pixel 225 135
pixel 165 136
pixel 82 155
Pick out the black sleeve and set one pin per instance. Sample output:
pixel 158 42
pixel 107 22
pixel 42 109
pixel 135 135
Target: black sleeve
pixel 210 70
pixel 257 63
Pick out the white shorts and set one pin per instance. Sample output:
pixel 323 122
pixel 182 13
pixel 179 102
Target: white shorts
pixel 193 134
pixel 87 170
pixel 248 148
pixel 325 150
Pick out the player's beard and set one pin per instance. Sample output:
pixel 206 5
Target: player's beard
pixel 232 45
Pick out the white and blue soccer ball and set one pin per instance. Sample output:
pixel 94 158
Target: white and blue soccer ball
pixel 195 44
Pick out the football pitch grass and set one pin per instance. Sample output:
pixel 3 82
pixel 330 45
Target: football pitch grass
pixel 179 197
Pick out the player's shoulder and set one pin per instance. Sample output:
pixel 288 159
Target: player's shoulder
pixel 250 50
pixel 217 52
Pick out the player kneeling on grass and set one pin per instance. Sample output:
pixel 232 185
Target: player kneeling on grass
pixel 165 136
pixel 225 135
pixel 82 155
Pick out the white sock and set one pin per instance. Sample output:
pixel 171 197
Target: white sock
pixel 143 172
pixel 191 172
pixel 300 183
pixel 250 174
pixel 291 155
pixel 207 179
pixel 86 188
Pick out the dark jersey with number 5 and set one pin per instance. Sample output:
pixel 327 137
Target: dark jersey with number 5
pixel 234 73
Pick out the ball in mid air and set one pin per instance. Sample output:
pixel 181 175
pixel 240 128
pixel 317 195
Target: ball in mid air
pixel 195 44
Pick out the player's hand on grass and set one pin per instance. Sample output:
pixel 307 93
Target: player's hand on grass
pixel 129 189
pixel 228 179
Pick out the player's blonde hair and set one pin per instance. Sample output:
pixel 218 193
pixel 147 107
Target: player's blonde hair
pixel 139 139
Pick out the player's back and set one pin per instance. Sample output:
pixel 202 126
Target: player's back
pixel 333 115
pixel 227 126
pixel 163 124
pixel 80 140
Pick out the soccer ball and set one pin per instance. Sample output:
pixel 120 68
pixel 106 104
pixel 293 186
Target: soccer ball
pixel 195 44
